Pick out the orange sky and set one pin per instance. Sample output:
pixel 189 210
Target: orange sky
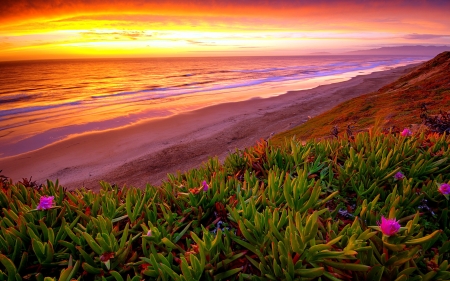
pixel 45 29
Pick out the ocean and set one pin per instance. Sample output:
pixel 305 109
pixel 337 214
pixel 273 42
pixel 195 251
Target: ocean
pixel 45 101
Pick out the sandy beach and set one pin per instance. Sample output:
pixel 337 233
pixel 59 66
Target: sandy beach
pixel 147 151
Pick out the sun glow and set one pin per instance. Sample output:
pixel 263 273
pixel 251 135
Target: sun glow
pixel 134 28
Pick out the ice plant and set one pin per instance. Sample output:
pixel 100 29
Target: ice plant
pixel 406 132
pixel 399 176
pixel 195 190
pixel 106 257
pixel 444 188
pixel 46 202
pixel 149 233
pixel 205 186
pixel 389 226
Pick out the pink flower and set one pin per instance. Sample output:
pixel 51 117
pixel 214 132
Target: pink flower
pixel 389 226
pixel 46 202
pixel 444 189
pixel 399 176
pixel 406 132
pixel 149 233
pixel 205 186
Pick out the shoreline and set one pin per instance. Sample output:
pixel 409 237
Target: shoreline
pixel 52 123
pixel 145 152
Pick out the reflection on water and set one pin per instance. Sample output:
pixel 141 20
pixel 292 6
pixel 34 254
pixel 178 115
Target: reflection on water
pixel 46 101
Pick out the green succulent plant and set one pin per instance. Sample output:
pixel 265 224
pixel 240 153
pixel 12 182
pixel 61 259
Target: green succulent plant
pixel 305 211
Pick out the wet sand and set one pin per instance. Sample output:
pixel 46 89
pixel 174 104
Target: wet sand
pixel 145 152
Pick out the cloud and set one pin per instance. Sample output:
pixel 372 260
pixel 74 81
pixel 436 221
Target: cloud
pixel 249 47
pixel 5 45
pixel 415 36
pixel 219 51
pixel 133 35
pixel 216 44
pixel 170 26
pixel 386 20
pixel 23 10
pixel 201 43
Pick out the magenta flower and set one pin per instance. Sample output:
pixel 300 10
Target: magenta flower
pixel 444 189
pixel 46 202
pixel 205 186
pixel 399 176
pixel 149 233
pixel 406 132
pixel 389 226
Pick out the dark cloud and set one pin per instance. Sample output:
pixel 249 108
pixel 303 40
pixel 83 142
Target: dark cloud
pixel 415 36
pixel 28 9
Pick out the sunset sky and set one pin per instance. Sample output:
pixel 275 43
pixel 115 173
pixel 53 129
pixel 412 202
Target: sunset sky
pixel 45 29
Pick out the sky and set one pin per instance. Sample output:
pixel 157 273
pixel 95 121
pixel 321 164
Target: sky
pixel 60 29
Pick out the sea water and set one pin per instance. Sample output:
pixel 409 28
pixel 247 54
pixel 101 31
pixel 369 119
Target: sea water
pixel 45 101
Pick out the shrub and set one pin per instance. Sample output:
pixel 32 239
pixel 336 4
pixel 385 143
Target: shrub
pixel 304 211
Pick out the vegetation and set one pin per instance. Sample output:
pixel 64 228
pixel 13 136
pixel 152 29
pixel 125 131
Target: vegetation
pixel 307 211
pixel 364 206
pixel 394 106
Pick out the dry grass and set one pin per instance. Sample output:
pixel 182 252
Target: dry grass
pixel 396 105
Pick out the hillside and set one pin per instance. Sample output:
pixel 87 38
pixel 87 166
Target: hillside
pixel 372 208
pixel 267 213
pixel 396 105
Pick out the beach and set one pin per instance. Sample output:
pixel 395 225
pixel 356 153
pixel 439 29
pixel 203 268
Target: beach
pixel 145 152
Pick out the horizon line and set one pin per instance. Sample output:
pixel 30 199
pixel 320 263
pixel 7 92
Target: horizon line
pixel 318 54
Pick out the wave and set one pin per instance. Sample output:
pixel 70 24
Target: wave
pixel 183 89
pixel 181 75
pixel 209 85
pixel 22 110
pixel 14 98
